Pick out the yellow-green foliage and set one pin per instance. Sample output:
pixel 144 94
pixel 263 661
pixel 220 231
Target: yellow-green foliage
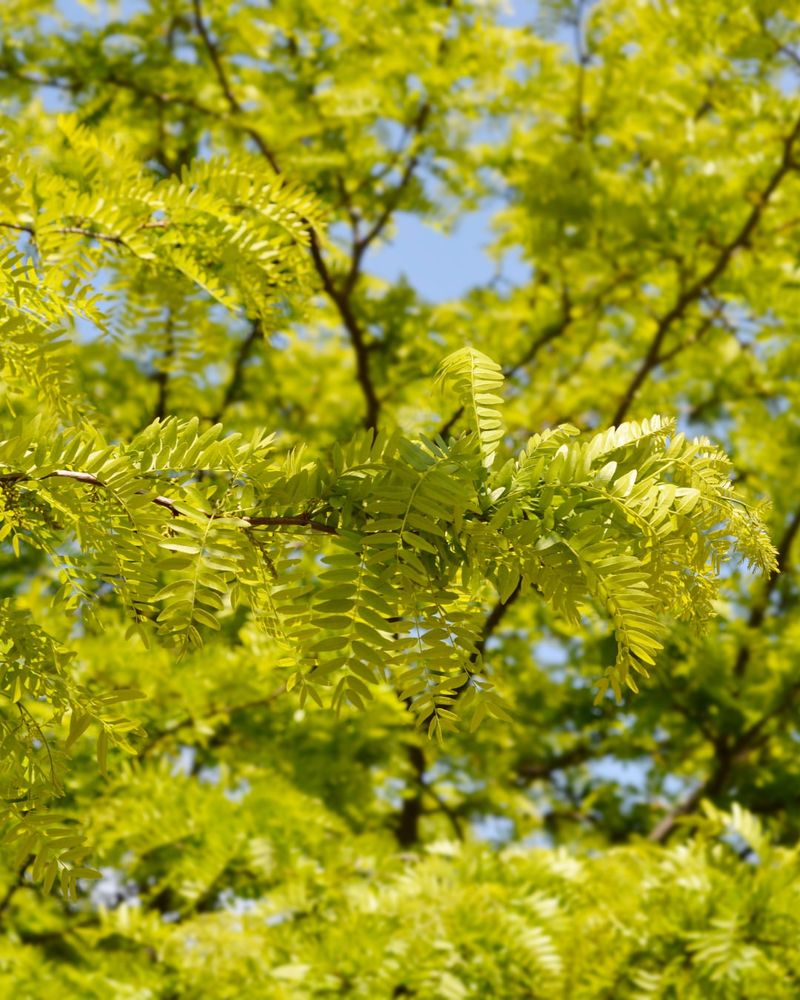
pixel 310 583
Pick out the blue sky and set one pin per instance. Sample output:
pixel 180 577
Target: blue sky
pixel 443 265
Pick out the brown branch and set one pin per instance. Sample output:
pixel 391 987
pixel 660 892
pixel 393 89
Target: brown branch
pixel 493 620
pixel 447 426
pixel 691 294
pixel 416 128
pixel 447 809
pixel 161 375
pixel 265 521
pixel 780 47
pixel 214 55
pixel 302 520
pixel 353 327
pixel 360 245
pixel 161 98
pixel 582 58
pixel 9 894
pixel 14 888
pixel 752 736
pixel 36 81
pixel 371 180
pixel 20 229
pixel 339 297
pixel 550 333
pixel 93 234
pixel 702 329
pixel 490 626
pixel 711 786
pixel 83 231
pixel 222 77
pixel 259 521
pixel 397 192
pixel 535 769
pixel 234 386
pixel 407 822
pixel 191 720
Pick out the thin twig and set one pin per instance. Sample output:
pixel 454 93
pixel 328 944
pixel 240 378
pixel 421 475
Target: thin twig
pixel 234 386
pixel 161 375
pixel 192 720
pixel 260 521
pixel 696 289
pixel 353 327
pixel 14 888
pixel 225 85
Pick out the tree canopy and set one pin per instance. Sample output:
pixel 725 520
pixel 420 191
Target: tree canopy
pixel 358 642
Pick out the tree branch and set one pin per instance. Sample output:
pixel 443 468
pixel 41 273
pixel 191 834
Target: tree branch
pixel 444 807
pixel 535 769
pixel 342 302
pixel 714 784
pixel 707 279
pixel 234 386
pixel 266 521
pixel 397 192
pixel 407 822
pixel 493 620
pixel 490 625
pixel 222 77
pixel 72 230
pixel 13 889
pixel 191 720
pixel 339 297
pixel 161 374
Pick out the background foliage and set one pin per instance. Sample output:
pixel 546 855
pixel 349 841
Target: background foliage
pixel 312 656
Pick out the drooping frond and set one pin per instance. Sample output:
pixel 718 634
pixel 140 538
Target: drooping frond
pixel 181 522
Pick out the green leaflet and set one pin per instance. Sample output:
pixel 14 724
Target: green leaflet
pixel 478 381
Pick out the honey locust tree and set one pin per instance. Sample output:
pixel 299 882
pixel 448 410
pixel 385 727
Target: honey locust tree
pixel 358 642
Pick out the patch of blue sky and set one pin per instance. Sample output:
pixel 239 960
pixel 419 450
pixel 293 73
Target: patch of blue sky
pixel 96 13
pixel 629 774
pixel 111 889
pixel 495 830
pixel 441 265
